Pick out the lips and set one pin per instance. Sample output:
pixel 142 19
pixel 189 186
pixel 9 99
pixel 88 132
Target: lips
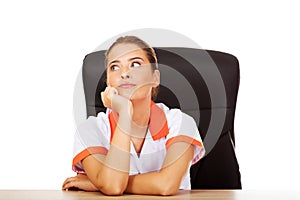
pixel 127 85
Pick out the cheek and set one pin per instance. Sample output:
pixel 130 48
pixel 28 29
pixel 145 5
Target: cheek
pixel 111 80
pixel 142 74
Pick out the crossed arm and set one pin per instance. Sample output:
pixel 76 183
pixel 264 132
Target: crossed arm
pixel 166 181
pixel 115 182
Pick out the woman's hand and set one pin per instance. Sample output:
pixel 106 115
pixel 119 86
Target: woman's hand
pixel 81 182
pixel 111 99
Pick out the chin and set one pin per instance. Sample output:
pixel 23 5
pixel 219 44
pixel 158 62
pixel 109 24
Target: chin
pixel 125 95
pixel 135 95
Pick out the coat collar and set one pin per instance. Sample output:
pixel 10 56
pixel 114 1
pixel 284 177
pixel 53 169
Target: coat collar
pixel 158 125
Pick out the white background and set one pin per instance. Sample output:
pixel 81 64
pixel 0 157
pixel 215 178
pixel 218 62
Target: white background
pixel 43 43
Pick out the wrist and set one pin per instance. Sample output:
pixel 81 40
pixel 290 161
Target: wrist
pixel 125 123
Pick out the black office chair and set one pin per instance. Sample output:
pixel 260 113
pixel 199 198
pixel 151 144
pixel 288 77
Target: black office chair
pixel 203 84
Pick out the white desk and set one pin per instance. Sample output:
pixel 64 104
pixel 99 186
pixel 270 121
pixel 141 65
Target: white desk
pixel 193 194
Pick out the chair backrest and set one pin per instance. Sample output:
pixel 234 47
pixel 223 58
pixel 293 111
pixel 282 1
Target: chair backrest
pixel 203 84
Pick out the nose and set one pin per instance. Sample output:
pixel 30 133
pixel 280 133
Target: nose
pixel 125 74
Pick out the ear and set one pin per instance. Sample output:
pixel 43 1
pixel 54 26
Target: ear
pixel 156 77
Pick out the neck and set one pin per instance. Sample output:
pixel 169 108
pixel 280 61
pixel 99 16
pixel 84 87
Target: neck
pixel 141 111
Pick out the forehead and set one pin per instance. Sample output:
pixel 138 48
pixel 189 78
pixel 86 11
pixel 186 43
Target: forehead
pixel 125 51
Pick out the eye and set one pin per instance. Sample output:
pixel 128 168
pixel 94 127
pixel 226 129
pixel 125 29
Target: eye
pixel 114 67
pixel 135 64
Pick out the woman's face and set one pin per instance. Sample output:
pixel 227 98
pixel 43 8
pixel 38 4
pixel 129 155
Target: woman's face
pixel 129 71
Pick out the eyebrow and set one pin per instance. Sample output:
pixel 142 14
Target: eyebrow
pixel 136 58
pixel 116 61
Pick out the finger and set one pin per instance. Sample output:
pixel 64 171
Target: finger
pixel 112 91
pixel 68 186
pixel 72 183
pixel 69 180
pixel 102 96
pixel 65 185
pixel 66 181
pixel 105 91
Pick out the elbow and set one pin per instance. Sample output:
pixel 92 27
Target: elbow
pixel 112 189
pixel 169 191
pixel 112 186
pixel 169 188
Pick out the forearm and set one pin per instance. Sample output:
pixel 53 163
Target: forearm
pixel 167 181
pixel 111 174
pixel 114 172
pixel 153 183
pixel 118 156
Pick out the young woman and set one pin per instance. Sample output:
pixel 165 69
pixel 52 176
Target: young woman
pixel 137 146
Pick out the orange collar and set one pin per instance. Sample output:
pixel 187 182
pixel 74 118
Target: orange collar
pixel 158 125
